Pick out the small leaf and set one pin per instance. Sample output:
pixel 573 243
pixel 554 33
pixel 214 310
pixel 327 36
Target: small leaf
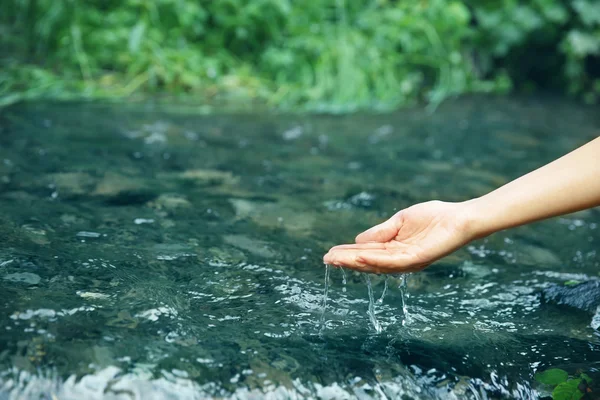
pixel 552 376
pixel 572 283
pixel 568 391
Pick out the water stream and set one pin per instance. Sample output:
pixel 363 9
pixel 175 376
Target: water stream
pixel 385 288
pixel 151 252
pixel 371 310
pixel 404 295
pixel 325 295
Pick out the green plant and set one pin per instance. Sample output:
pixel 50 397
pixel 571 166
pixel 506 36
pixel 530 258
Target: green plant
pixel 542 43
pixel 334 55
pixel 564 387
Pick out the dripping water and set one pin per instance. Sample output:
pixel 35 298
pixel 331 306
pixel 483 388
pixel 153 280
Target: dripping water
pixel 371 310
pixel 385 288
pixel 325 294
pixel 404 296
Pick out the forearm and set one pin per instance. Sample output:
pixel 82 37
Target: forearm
pixel 569 184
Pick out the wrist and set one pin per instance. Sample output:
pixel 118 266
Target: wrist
pixel 475 216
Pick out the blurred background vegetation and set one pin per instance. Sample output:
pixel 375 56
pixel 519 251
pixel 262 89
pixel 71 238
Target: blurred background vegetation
pixel 324 55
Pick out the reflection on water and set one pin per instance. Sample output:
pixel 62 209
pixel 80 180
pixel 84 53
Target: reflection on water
pixel 150 253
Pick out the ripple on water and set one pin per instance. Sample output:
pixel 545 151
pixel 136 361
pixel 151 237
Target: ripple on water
pixel 177 256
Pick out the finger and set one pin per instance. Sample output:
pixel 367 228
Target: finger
pixel 362 257
pixel 359 261
pixel 379 261
pixel 359 246
pixel 335 260
pixel 344 247
pixel 342 258
pixel 329 258
pixel 391 261
pixel 383 232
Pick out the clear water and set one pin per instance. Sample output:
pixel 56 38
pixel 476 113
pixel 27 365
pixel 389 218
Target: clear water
pixel 371 309
pixel 155 253
pixel 325 295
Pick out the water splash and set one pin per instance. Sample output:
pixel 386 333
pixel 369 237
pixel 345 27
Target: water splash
pixel 371 310
pixel 325 294
pixel 385 288
pixel 404 296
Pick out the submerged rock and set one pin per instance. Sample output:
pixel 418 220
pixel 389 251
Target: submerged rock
pixel 103 356
pixel 172 251
pixel 92 295
pixel 123 320
pixel 536 256
pixel 170 201
pixel 23 277
pixel 274 215
pixel 69 219
pixel 72 183
pixel 86 234
pixel 36 235
pixel 202 177
pixel 119 189
pixel 217 256
pixel 584 296
pixel 254 246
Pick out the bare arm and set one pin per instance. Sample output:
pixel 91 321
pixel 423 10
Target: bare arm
pixel 569 184
pixel 419 235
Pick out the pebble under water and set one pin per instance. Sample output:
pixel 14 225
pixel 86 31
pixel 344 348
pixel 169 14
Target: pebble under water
pixel 150 252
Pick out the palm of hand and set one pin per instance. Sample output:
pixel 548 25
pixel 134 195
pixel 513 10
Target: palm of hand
pixel 409 241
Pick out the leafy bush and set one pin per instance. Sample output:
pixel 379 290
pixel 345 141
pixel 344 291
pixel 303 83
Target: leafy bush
pixel 321 54
pixel 548 43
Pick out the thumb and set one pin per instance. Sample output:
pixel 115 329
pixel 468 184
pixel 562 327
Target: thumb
pixel 383 232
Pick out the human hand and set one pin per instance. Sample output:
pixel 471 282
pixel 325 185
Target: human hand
pixel 409 241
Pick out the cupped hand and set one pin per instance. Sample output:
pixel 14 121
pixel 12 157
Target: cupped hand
pixel 409 241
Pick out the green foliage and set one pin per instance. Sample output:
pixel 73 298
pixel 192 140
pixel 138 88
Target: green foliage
pixel 552 376
pixel 565 388
pixel 549 42
pixel 568 390
pixel 335 55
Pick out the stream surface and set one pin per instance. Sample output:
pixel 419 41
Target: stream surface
pixel 150 252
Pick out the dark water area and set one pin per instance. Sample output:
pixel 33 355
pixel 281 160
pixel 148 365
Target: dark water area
pixel 149 252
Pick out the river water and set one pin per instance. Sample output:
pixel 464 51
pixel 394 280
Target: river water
pixel 152 252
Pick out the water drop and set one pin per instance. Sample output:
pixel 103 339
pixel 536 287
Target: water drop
pixel 371 310
pixel 325 294
pixel 344 281
pixel 404 296
pixel 385 288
